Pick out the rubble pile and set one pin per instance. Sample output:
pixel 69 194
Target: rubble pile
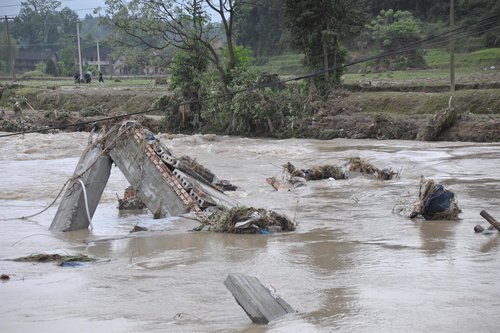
pixel 130 200
pixel 246 220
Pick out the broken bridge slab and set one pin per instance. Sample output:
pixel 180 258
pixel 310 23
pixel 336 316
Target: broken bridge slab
pixel 150 169
pixel 149 175
pixel 256 300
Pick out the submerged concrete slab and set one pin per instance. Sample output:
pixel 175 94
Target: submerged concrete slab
pixel 93 170
pixel 255 299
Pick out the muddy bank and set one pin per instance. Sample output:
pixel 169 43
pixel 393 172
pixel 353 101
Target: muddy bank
pixel 378 115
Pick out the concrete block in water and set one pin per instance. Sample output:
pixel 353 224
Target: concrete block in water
pixel 257 301
pixel 155 184
pixel 71 214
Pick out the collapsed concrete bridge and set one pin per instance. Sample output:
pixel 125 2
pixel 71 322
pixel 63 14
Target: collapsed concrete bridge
pixel 168 186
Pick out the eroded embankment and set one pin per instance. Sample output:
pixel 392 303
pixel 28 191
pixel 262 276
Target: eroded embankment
pixel 381 115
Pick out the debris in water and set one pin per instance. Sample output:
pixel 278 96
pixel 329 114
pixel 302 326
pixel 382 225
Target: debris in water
pixel 298 177
pixel 441 121
pixel 138 229
pixel 130 200
pixel 245 220
pixel 494 223
pixel 260 304
pixel 4 277
pixel 61 260
pixel 436 202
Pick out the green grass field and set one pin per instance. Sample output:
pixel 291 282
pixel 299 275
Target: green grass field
pixel 470 67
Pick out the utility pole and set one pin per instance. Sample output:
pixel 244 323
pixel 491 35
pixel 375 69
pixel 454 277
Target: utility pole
pixel 79 50
pixel 10 50
pixel 452 46
pixel 98 58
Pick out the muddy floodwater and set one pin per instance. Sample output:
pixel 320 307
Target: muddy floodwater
pixel 354 264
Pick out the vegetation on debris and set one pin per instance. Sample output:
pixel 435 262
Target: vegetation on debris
pixel 355 164
pixel 60 259
pixel 246 220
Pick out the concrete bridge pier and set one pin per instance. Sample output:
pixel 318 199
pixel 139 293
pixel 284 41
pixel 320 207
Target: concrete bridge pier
pixel 93 169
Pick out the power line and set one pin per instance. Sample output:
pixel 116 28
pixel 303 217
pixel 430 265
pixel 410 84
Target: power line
pixel 404 49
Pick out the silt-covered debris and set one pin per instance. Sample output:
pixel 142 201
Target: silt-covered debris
pixel 61 260
pixel 246 220
pixel 436 202
pixel 356 165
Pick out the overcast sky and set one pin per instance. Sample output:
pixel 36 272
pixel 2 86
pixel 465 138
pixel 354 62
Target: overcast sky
pixel 81 7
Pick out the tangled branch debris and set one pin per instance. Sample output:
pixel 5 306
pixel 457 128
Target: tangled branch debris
pixel 441 121
pixel 436 202
pixel 354 165
pixel 246 220
pixel 60 259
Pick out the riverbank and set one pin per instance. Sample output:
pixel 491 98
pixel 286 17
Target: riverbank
pixel 388 113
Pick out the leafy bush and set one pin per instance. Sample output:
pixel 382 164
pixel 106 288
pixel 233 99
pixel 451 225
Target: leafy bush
pixel 392 30
pixel 31 74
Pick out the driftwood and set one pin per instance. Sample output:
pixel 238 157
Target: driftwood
pixel 490 219
pixel 441 121
pixel 259 303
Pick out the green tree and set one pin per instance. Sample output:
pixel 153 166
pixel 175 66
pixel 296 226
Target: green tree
pixel 51 68
pixel 184 25
pixel 8 52
pixel 318 28
pixel 261 27
pixel 67 57
pixel 41 26
pixel 392 30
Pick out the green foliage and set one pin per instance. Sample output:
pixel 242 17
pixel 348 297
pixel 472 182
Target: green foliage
pixel 41 67
pixel 186 79
pixel 271 110
pixel 66 57
pixel 392 30
pixel 260 26
pixel 61 69
pixel 317 28
pixel 35 73
pixel 42 26
pixel 7 57
pixel 50 68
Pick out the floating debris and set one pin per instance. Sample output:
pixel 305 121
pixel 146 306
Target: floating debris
pixel 298 177
pixel 494 223
pixel 138 229
pixel 4 277
pixel 61 260
pixel 246 220
pixel 436 202
pixel 357 164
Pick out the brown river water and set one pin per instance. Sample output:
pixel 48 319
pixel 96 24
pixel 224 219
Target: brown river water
pixel 355 264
